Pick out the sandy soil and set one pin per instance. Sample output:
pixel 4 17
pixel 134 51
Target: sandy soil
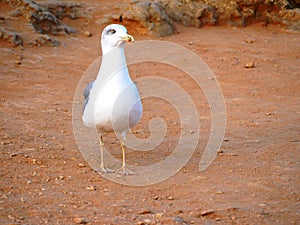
pixel 253 180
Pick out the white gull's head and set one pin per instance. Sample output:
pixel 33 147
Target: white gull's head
pixel 114 36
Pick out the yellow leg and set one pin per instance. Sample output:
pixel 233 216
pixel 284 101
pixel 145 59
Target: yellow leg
pixel 124 169
pixel 102 167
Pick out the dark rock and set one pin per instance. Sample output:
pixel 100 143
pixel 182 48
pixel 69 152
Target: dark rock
pixel 45 22
pixel 231 12
pixel 46 17
pixel 207 212
pixel 16 13
pixel 79 220
pixel 62 9
pixel 45 40
pixel 178 219
pixel 152 16
pixel 190 13
pixel 293 4
pixel 11 37
pixel 2 19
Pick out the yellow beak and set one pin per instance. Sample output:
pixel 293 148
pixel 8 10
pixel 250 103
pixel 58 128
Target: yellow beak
pixel 128 38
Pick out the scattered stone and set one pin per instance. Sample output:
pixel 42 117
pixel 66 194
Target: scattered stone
pixel 81 165
pixel 79 220
pixel 207 212
pixel 178 219
pixel 145 211
pixel 170 198
pixel 248 41
pixel 2 19
pixel 88 33
pixel 10 217
pixel 147 221
pixel 13 154
pixel 60 177
pixel 91 188
pixel 249 64
pixel 219 192
pixel 156 197
pixel 262 205
pixel 159 215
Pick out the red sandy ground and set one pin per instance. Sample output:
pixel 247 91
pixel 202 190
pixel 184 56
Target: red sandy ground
pixel 255 180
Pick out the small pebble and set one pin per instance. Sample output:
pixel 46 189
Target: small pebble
pixel 79 220
pixel 219 192
pixel 155 197
pixel 159 215
pixel 91 188
pixel 60 177
pixel 170 198
pixel 88 33
pixel 248 41
pixel 13 154
pixel 207 212
pixel 147 221
pixel 81 165
pixel 10 217
pixel 146 211
pixel 262 205
pixel 249 65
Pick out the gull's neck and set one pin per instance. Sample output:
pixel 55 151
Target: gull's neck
pixel 113 60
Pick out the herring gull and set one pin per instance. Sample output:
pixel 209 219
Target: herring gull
pixel 112 102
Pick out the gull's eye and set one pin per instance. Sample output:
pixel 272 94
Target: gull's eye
pixel 111 31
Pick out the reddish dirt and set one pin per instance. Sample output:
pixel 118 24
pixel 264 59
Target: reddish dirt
pixel 253 180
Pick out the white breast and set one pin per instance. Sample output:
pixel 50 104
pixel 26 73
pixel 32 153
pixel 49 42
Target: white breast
pixel 117 106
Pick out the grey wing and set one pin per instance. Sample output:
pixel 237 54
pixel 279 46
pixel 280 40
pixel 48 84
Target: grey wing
pixel 86 94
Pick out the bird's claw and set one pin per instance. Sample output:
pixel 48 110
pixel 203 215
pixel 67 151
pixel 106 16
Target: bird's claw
pixel 123 170
pixel 103 169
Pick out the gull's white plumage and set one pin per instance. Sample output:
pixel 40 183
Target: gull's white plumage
pixel 112 102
